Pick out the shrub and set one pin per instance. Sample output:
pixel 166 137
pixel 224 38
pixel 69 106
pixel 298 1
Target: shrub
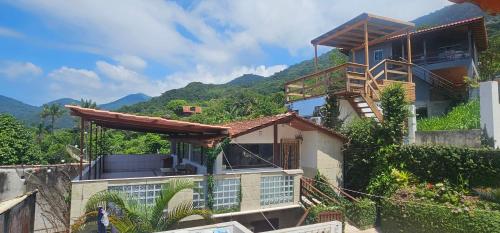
pixel 460 166
pixel 387 182
pixel 463 116
pixel 17 143
pixel 420 218
pixel 312 216
pixel 362 213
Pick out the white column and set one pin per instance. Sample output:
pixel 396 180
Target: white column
pixel 490 110
pixel 412 124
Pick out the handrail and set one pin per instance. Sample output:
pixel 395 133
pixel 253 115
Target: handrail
pixel 314 189
pixel 327 70
pixel 447 82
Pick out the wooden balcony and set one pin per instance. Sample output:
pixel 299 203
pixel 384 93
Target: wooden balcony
pixel 352 79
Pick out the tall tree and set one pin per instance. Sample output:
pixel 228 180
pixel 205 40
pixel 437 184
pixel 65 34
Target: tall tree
pixel 489 60
pixel 53 111
pixel 88 103
pixel 330 112
pixel 16 143
pixel 396 113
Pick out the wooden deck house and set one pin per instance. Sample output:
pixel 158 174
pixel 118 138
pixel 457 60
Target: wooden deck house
pixel 358 82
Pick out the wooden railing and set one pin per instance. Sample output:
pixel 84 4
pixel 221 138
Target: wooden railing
pixel 317 84
pixel 352 78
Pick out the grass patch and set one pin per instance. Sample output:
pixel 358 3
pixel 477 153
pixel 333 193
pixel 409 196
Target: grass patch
pixel 462 117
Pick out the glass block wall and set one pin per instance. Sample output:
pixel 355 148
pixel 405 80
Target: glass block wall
pixel 226 194
pixel 144 193
pixel 199 194
pixel 276 190
pixel 147 193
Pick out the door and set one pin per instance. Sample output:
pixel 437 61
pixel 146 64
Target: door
pixel 290 153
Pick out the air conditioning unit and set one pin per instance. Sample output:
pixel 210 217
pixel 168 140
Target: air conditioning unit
pixel 316 120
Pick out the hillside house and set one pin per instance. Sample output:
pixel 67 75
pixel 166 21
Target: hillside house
pixel 259 172
pixel 430 62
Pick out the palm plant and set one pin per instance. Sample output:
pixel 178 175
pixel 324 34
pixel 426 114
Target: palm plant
pixel 88 103
pixel 53 111
pixel 128 215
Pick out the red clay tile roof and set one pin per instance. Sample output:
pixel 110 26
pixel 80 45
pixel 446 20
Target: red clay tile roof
pixel 480 29
pixel 125 121
pixel 239 128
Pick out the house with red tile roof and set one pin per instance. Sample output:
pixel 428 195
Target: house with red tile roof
pixel 261 168
pixel 431 62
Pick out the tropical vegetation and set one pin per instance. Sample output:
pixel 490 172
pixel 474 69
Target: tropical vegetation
pixel 127 214
pixel 462 117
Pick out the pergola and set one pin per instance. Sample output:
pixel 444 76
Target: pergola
pixel 191 132
pixel 361 32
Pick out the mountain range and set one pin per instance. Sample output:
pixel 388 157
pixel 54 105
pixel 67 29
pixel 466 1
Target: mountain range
pixel 30 114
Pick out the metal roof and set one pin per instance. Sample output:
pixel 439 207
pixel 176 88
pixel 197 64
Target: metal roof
pixel 351 34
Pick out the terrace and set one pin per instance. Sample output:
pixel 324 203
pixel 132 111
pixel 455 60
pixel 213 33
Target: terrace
pixel 357 81
pixel 262 161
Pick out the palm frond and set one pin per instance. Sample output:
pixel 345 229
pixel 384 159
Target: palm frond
pixel 83 221
pixel 181 211
pixel 119 201
pixel 167 193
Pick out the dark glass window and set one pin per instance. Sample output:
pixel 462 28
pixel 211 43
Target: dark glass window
pixel 239 157
pixel 198 155
pixel 378 55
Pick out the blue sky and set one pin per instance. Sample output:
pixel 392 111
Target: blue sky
pixel 104 50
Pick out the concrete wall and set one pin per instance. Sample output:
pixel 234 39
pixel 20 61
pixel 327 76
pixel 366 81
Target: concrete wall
pixel 250 188
pixel 490 110
pixel 469 138
pixel 318 151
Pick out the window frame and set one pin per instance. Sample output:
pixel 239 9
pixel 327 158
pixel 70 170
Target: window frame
pixel 375 55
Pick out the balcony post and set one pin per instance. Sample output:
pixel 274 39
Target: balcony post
pixel 408 44
pixel 276 149
pixel 90 151
pixel 367 53
pixel 82 135
pixel 316 57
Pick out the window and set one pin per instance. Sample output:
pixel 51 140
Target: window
pixel 276 190
pixel 144 193
pixel 227 194
pixel 198 155
pixel 199 194
pixel 182 151
pixel 244 155
pixel 192 109
pixel 378 55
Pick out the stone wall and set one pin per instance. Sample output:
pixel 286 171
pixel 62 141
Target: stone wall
pixel 470 138
pixel 53 183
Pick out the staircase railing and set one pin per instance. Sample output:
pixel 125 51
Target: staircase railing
pixel 433 78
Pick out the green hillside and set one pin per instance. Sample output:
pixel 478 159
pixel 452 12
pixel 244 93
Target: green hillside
pixel 197 92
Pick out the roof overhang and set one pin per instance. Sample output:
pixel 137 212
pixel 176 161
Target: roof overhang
pixel 176 130
pixel 490 6
pixel 351 35
pixel 476 25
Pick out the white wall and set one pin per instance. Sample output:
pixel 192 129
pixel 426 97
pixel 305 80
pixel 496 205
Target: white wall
pixel 318 151
pixel 490 110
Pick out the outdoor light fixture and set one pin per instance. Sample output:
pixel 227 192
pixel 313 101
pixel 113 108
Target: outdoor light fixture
pixel 299 137
pixel 49 170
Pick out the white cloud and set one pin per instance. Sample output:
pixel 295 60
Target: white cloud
pixel 10 33
pixel 76 78
pixel 10 69
pixel 131 62
pixel 218 40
